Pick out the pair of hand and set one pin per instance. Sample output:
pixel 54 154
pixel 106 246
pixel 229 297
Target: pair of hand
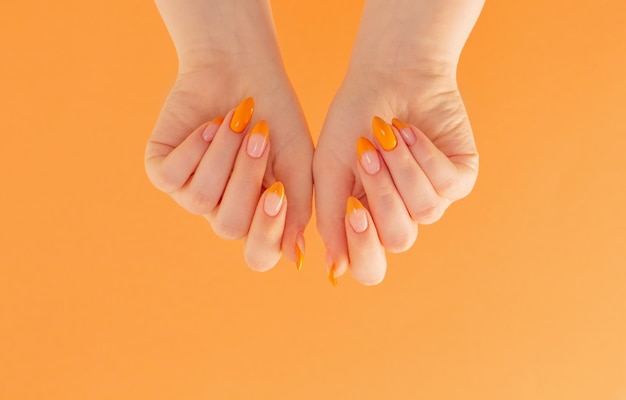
pixel 251 174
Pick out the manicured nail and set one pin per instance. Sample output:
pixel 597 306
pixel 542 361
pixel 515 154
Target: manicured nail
pixel 257 139
pixel 331 276
pixel 211 129
pixel 357 216
pixel 242 115
pixel 384 134
pixel 368 156
pixel 299 250
pixel 405 131
pixel 274 199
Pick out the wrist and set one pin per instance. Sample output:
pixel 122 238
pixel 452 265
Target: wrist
pixel 423 37
pixel 218 33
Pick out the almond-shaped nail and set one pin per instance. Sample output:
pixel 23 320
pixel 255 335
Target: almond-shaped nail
pixel 384 134
pixel 368 156
pixel 257 139
pixel 242 115
pixel 357 216
pixel 331 276
pixel 405 131
pixel 211 129
pixel 300 245
pixel 274 199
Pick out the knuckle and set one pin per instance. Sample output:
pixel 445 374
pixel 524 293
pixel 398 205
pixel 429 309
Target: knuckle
pixel 200 203
pixel 163 180
pixel 400 242
pixel 370 279
pixel 259 264
pixel 428 213
pixel 229 230
pixel 449 187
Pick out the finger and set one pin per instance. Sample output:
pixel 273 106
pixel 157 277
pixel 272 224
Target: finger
pixel 232 218
pixel 204 191
pixel 452 176
pixel 333 183
pixel 422 201
pixel 367 256
pixel 294 169
pixel 396 229
pixel 262 246
pixel 170 172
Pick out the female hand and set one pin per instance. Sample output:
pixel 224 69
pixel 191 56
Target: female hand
pixel 403 68
pixel 219 66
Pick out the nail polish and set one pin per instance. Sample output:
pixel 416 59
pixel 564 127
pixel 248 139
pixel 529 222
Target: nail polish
pixel 331 276
pixel 211 129
pixel 300 250
pixel 242 115
pixel 274 199
pixel 405 131
pixel 257 139
pixel 384 134
pixel 357 216
pixel 368 156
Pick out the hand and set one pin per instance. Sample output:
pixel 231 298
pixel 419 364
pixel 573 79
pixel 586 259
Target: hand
pixel 410 174
pixel 215 176
pixel 403 66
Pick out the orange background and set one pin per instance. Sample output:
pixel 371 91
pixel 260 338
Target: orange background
pixel 109 290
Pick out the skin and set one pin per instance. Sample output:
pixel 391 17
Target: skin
pixel 403 65
pixel 413 79
pixel 227 51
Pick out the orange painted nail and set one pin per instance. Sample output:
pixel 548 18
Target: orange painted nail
pixel 399 124
pixel 257 139
pixel 217 120
pixel 211 129
pixel 357 216
pixel 384 134
pixel 331 276
pixel 274 199
pixel 299 251
pixel 300 258
pixel 242 115
pixel 368 156
pixel 405 131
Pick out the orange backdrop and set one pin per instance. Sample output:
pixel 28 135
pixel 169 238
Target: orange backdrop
pixel 109 290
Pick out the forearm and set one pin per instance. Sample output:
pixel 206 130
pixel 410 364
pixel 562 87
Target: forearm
pixel 210 31
pixel 407 32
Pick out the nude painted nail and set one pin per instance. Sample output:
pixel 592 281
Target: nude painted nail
pixel 242 115
pixel 368 156
pixel 384 134
pixel 405 131
pixel 274 199
pixel 257 139
pixel 357 216
pixel 300 245
pixel 211 129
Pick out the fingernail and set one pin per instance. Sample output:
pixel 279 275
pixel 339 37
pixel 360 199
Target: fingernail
pixel 274 199
pixel 300 250
pixel 331 270
pixel 331 276
pixel 384 134
pixel 405 131
pixel 357 217
pixel 211 129
pixel 257 139
pixel 242 115
pixel 368 156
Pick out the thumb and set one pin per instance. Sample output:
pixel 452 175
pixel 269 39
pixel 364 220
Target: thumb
pixel 294 171
pixel 333 183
